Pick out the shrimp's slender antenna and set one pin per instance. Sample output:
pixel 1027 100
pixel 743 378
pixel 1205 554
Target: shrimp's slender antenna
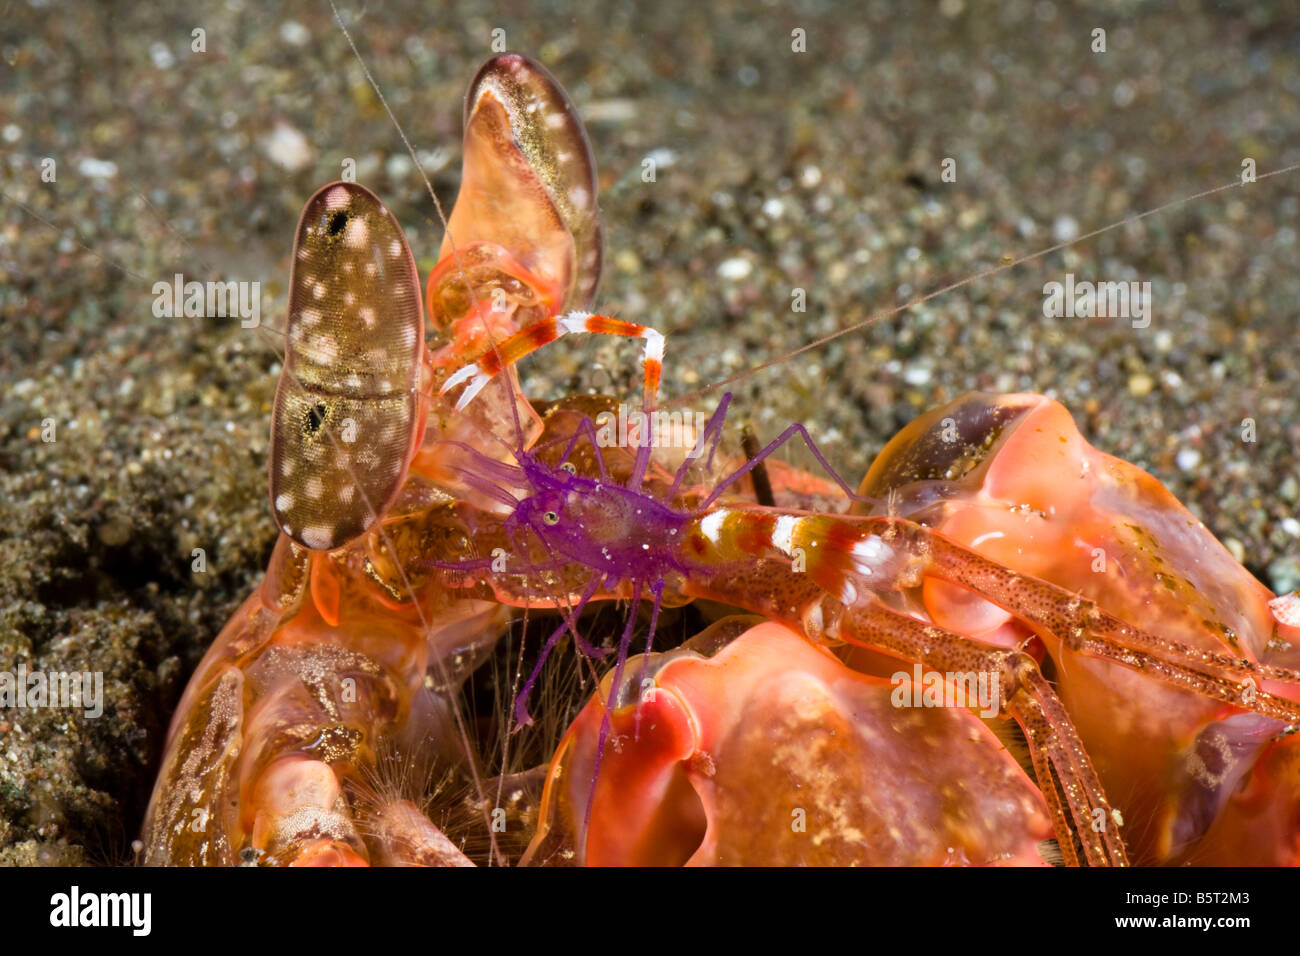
pixel 428 185
pixel 961 283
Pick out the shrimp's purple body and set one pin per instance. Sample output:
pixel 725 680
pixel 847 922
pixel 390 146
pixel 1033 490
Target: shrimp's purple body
pixel 619 533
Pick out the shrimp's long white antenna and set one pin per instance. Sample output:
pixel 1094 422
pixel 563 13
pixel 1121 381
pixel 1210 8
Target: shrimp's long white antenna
pixel 951 287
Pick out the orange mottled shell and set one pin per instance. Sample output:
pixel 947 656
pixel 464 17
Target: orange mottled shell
pixel 346 409
pixel 528 179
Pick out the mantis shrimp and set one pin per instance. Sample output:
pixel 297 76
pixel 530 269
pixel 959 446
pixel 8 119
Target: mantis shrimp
pixel 1156 717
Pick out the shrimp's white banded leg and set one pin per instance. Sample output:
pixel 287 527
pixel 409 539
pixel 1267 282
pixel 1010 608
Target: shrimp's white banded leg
pixel 530 338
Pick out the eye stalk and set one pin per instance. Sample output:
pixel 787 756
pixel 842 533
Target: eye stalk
pixel 528 183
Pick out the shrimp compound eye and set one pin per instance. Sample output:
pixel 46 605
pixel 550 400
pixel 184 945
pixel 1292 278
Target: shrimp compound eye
pixel 569 467
pixel 551 518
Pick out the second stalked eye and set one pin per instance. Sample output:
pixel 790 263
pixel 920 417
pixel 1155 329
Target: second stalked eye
pixel 343 428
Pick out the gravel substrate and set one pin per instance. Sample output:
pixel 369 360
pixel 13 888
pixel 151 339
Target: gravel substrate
pixel 774 171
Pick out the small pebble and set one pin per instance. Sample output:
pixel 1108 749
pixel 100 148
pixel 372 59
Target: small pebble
pixel 1140 385
pixel 735 268
pixel 161 56
pixel 287 147
pixel 1284 574
pixel 1065 228
pixel 294 33
pixel 115 532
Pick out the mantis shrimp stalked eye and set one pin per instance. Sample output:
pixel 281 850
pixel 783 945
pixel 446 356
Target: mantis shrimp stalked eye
pixel 347 411
pixel 526 218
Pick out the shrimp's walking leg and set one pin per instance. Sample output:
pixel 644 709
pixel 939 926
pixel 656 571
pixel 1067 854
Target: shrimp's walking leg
pixel 530 338
pixel 1026 696
pixel 785 436
pixel 1084 626
pixel 522 717
pixel 624 642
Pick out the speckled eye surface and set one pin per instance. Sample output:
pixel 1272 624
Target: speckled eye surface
pixel 346 409
pixel 529 179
